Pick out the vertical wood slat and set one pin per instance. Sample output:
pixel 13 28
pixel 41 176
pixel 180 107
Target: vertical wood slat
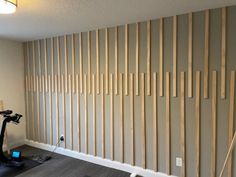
pixel 116 60
pixel 223 53
pixel 197 119
pixel 32 108
pixel 73 61
pixel 58 65
pixel 52 65
pixel 231 118
pixel 34 65
pixel 174 56
pixel 86 114
pixel 89 61
pixel 111 117
pixel 78 112
pixel 64 108
pixel 97 62
pixel 214 117
pixel 46 64
pixel 71 111
pixel 81 62
pixel 149 57
pixel 28 62
pixel 161 33
pixel 167 123
pixel 57 105
pixel 206 55
pixel 66 63
pixel 137 59
pixel 38 108
pixel 190 55
pixel 132 142
pixel 44 109
pixel 182 123
pixel 27 105
pixel 155 132
pixel 103 116
pixel 126 57
pixel 121 118
pixel 143 121
pixel 107 59
pixel 94 117
pixel 39 64
pixel 50 108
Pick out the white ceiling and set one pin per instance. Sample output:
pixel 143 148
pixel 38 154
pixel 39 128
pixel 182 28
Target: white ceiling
pixel 36 19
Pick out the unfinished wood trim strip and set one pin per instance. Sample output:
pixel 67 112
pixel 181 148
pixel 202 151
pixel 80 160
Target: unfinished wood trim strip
pixel 73 61
pixel 126 57
pixel 231 117
pixel 94 117
pixel 81 62
pixel 44 110
pixel 71 112
pixel 39 64
pixel 27 106
pixel 116 60
pixel 206 55
pixel 52 65
pixel 155 140
pixel 58 65
pixel 149 57
pixel 86 114
pixel 137 58
pixel 34 65
pixel 161 41
pixel 78 112
pixel 175 56
pixel 46 64
pixel 97 61
pixel 121 119
pixel 197 123
pixel 64 108
pixel 50 109
pixel 89 61
pixel 57 106
pixel 132 140
pixel 32 109
pixel 167 123
pixel 190 55
pixel 214 117
pixel 103 115
pixel 182 123
pixel 107 58
pixel 38 109
pixel 111 117
pixel 143 121
pixel 66 63
pixel 28 59
pixel 223 53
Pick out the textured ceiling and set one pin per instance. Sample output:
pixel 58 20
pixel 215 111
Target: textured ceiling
pixel 36 19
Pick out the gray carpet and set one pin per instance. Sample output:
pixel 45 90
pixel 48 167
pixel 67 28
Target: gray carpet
pixel 62 166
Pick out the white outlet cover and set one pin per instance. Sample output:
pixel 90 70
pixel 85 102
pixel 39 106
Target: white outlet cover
pixel 179 162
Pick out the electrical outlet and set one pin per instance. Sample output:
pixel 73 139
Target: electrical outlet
pixel 62 138
pixel 179 162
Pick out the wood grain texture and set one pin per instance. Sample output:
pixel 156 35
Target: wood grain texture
pixel 58 64
pixel 71 112
pixel 143 121
pixel 78 113
pixel 197 123
pixel 126 58
pixel 50 109
pixel 231 118
pixel 107 59
pixel 121 119
pixel 155 126
pixel 66 63
pixel 111 117
pixel 94 117
pixel 46 64
pixel 174 57
pixel 167 124
pixel 44 110
pixel 213 123
pixel 103 116
pixel 161 33
pixel 206 55
pixel 97 62
pixel 64 109
pixel 190 55
pixel 73 61
pixel 137 58
pixel 132 125
pixel 89 61
pixel 81 62
pixel 85 114
pixel 52 66
pixel 149 57
pixel 223 54
pixel 116 60
pixel 57 106
pixel 38 109
pixel 182 124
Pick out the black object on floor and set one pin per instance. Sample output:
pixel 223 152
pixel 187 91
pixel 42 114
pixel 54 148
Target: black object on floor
pixel 12 172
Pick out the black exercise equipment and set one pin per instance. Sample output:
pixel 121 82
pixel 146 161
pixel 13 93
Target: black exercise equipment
pixel 9 162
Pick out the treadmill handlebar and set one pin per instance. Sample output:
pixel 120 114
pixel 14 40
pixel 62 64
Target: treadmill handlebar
pixel 6 112
pixel 14 118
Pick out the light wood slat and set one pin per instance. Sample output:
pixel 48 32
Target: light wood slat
pixel 94 117
pixel 190 55
pixel 111 117
pixel 52 65
pixel 78 112
pixel 97 61
pixel 132 139
pixel 50 109
pixel 28 61
pixel 81 62
pixel 73 61
pixel 137 58
pixel 223 53
pixel 149 57
pixel 161 33
pixel 182 123
pixel 58 64
pixel 34 65
pixel 46 64
pixel 155 133
pixel 89 61
pixel 167 123
pixel 66 63
pixel 39 64
pixel 231 118
pixel 121 118
pixel 71 111
pixel 44 110
pixel 116 60
pixel 38 109
pixel 86 114
pixel 197 123
pixel 213 119
pixel 32 108
pixel 175 56
pixel 126 57
pixel 27 106
pixel 107 58
pixel 57 106
pixel 143 121
pixel 206 55
pixel 64 108
pixel 103 116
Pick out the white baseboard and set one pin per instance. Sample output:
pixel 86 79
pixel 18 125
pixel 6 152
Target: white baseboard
pixel 98 160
